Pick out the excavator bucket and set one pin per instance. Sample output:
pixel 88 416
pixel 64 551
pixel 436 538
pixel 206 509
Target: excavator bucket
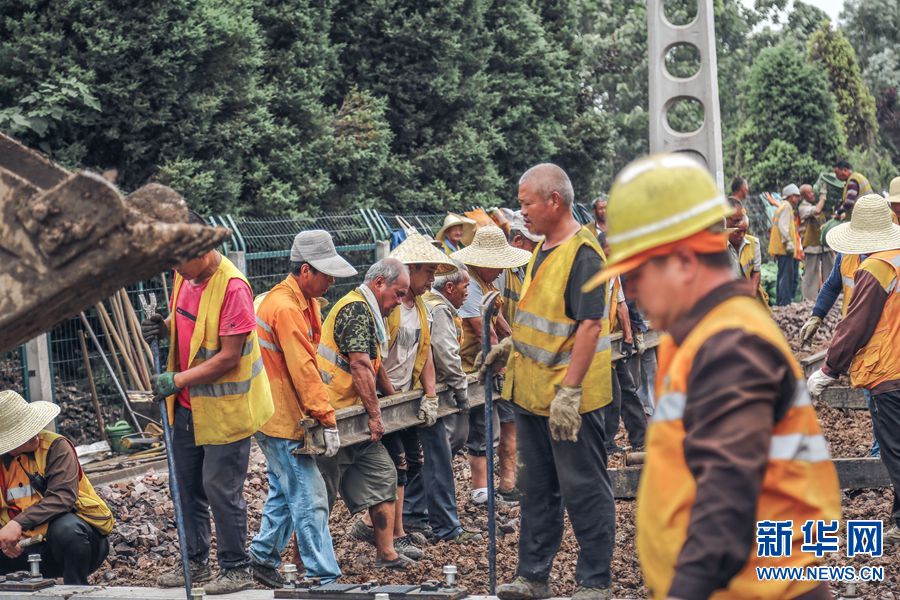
pixel 69 240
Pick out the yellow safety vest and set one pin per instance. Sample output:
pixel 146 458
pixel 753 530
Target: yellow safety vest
pixel 879 360
pixel 777 245
pixel 433 300
pixel 612 304
pixel 512 289
pixel 237 404
pixel 799 483
pixel 334 367
pixel 748 254
pixel 424 349
pixel 864 186
pixel 17 494
pixel 543 336
pixel 812 231
pixel 470 345
pixel 849 265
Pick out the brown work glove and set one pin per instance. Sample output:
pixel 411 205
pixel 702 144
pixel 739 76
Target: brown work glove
pixel 496 358
pixel 565 418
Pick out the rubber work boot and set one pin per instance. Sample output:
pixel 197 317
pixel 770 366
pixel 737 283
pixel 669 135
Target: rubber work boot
pixel 404 545
pixel 892 536
pixel 401 563
pixel 523 589
pixel 589 593
pixel 230 581
pixel 267 576
pixel 200 573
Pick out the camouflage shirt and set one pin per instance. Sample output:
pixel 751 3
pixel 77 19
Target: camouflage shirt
pixel 354 330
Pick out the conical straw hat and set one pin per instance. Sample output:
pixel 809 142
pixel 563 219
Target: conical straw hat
pixel 490 250
pixel 453 219
pixel 871 228
pixel 20 421
pixel 416 249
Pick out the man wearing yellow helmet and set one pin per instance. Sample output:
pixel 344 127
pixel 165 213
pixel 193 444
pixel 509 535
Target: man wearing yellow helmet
pixel 734 440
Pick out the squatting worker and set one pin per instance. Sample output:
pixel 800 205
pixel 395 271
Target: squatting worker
pixel 43 491
pixel 783 245
pixel 217 397
pixel 289 325
pixel 734 439
pixel 865 341
pixel 559 374
pixel 354 342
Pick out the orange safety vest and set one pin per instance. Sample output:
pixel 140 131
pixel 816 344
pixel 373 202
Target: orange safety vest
pixel 879 360
pixel 799 483
pixel 777 245
pixel 17 493
pixel 849 265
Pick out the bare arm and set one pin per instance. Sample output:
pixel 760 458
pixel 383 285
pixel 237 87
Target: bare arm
pixel 625 320
pixel 476 323
pixel 384 382
pixel 755 278
pixel 428 376
pixel 209 371
pixel 503 330
pixel 363 374
pixel 583 352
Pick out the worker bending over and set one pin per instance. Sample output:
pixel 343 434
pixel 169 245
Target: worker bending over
pixel 560 374
pixel 734 439
pixel 865 341
pixel 289 325
pixel 43 491
pixel 217 396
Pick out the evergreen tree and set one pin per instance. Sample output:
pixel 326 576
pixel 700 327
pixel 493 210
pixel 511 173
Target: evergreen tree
pixel 830 50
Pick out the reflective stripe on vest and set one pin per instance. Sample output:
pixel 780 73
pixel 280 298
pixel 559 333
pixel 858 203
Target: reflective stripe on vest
pixel 878 361
pixel 228 388
pixel 333 357
pixel 18 492
pixel 208 353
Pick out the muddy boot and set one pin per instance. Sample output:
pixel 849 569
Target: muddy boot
pixel 267 576
pixel 524 589
pixel 405 546
pixel 589 593
pixel 230 581
pixel 362 532
pixel 200 573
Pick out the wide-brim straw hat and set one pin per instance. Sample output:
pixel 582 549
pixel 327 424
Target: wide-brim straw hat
pixel 871 228
pixel 452 220
pixel 20 420
pixel 490 250
pixel 894 191
pixel 416 249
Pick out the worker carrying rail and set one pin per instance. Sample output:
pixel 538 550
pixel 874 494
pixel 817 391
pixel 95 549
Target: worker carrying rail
pixel 734 439
pixel 44 492
pixel 865 340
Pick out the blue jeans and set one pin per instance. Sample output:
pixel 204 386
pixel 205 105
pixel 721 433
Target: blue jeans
pixel 297 502
pixel 431 497
pixel 786 285
pixel 876 449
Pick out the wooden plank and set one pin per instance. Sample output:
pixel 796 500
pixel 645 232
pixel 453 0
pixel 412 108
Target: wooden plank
pixel 844 397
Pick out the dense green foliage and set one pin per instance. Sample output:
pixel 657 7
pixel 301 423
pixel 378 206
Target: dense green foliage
pixel 293 106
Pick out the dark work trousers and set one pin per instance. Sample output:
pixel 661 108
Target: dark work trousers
pixel 212 477
pixel 430 500
pixel 786 284
pixel 887 429
pixel 626 404
pixel 564 475
pixel 457 427
pixel 405 449
pixel 74 549
pixel 643 370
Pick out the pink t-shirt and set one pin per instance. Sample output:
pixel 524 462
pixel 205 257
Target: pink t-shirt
pixel 236 317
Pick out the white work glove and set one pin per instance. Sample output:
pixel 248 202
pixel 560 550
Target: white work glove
pixel 817 383
pixel 789 248
pixel 461 396
pixel 808 332
pixel 565 418
pixel 497 357
pixel 640 344
pixel 428 410
pixel 332 441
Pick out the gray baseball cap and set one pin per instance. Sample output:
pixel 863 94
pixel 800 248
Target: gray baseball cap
pixel 317 248
pixel 790 190
pixel 517 223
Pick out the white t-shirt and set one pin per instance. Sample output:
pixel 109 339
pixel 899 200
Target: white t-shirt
pixel 401 358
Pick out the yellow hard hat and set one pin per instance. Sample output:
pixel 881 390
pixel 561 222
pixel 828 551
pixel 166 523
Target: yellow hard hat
pixel 654 201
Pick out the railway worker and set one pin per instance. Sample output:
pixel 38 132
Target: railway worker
pixel 894 199
pixel 560 378
pixel 289 326
pixel 598 225
pixel 456 233
pixel 217 396
pixel 817 261
pixel 865 340
pixel 409 365
pixel 745 249
pixel 855 186
pixel 354 342
pixel 43 491
pixel 488 256
pixel 739 189
pixel 782 245
pixel 734 439
pixel 431 498
pixel 510 284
